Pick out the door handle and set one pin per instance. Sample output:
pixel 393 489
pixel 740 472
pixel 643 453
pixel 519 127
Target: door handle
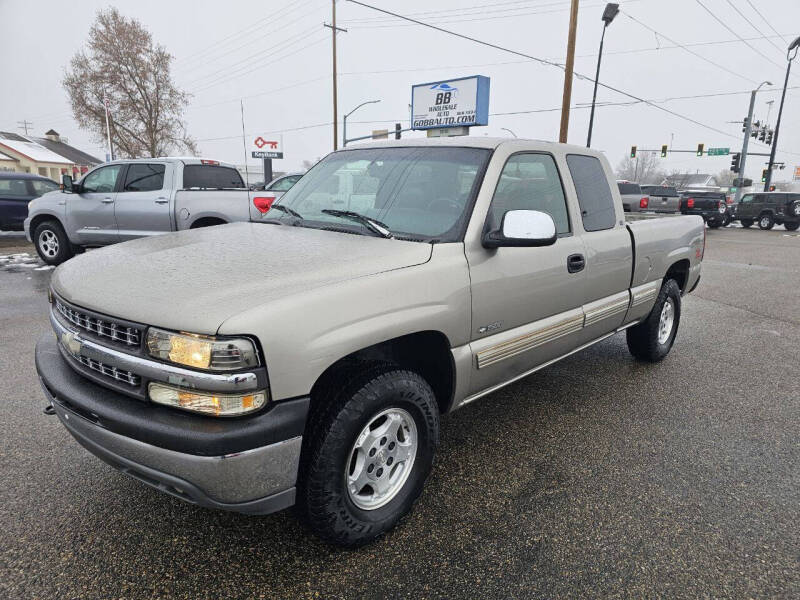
pixel 107 200
pixel 161 200
pixel 575 263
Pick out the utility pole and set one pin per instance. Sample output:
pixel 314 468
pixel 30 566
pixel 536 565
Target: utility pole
pixel 110 155
pixel 24 124
pixel 568 68
pixel 748 127
pixel 334 31
pixel 791 54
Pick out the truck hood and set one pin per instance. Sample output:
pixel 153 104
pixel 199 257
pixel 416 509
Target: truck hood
pixel 194 280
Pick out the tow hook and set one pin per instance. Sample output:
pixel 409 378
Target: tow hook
pixel 49 410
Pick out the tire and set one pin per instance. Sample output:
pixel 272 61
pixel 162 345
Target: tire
pixel 746 223
pixel 791 226
pixel 766 222
pixel 648 341
pixel 726 221
pixel 341 446
pixel 714 224
pixel 52 244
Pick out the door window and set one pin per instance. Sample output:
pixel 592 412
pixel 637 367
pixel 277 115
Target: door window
pixel 530 182
pixel 747 198
pixel 41 186
pixel 144 178
pixel 102 180
pixel 13 187
pixel 284 184
pixel 594 194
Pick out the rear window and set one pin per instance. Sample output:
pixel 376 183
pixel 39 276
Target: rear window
pixel 211 177
pixel 594 195
pixel 659 190
pixel 629 188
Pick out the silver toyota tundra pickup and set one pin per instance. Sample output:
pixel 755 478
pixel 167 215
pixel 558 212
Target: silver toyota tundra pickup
pixel 128 199
pixel 306 360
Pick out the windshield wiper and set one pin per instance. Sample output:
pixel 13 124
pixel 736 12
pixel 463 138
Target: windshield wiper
pixel 287 210
pixel 373 225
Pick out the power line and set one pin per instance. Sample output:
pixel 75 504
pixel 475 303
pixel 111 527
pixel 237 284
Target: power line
pixel 741 14
pixel 239 135
pixel 260 94
pixel 546 62
pixel 758 12
pixel 459 10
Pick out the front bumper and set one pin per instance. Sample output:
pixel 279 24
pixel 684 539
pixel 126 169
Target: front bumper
pixel 244 464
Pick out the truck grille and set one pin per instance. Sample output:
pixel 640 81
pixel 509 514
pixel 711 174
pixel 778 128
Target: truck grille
pixel 124 376
pixel 102 328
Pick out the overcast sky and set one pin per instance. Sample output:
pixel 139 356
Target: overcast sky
pixel 277 56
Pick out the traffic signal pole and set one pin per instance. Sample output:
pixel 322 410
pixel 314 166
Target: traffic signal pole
pixel 777 127
pixel 747 130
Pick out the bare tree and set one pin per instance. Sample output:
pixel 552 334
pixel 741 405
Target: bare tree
pixel 725 178
pixel 645 168
pixel 124 66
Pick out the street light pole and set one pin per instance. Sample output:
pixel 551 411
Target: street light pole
pixel 344 120
pixel 608 15
pixel 748 128
pixel 795 45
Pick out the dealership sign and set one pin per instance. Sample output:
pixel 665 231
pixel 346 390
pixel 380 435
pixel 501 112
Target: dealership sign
pixel 267 148
pixel 460 102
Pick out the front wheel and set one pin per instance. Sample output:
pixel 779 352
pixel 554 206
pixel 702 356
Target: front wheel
pixel 766 221
pixel 726 220
pixel 367 453
pixel 714 224
pixel 791 226
pixel 652 339
pixel 746 223
pixel 51 242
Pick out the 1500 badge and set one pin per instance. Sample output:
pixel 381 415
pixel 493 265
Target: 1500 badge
pixel 490 327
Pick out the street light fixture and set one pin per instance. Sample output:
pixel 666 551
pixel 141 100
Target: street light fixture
pixel 791 54
pixel 609 13
pixel 509 131
pixel 344 120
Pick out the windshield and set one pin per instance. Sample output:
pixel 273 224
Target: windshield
pixel 419 193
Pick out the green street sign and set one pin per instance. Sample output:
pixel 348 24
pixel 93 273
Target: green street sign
pixel 719 151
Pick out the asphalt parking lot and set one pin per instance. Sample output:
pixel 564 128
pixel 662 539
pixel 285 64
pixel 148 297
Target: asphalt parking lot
pixel 599 476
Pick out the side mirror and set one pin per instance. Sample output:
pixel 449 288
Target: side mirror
pixel 67 184
pixel 523 228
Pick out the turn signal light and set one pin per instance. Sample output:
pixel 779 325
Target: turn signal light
pixel 643 203
pixel 217 405
pixel 263 203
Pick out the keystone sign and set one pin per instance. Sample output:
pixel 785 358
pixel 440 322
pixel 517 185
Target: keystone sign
pixel 267 148
pixel 462 102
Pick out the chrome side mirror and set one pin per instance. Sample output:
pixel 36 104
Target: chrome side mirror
pixel 523 228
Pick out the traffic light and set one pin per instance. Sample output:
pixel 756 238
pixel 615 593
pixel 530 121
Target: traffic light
pixel 756 127
pixel 762 134
pixel 745 123
pixel 768 139
pixel 633 151
pixel 735 162
pixel 397 129
pixel 664 151
pixel 700 149
pixel 764 174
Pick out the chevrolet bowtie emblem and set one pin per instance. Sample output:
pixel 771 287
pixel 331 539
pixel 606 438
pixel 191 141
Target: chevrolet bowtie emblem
pixel 71 343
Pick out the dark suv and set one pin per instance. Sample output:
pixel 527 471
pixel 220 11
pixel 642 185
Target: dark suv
pixel 770 209
pixel 16 190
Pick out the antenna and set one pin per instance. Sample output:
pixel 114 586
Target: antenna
pixel 25 124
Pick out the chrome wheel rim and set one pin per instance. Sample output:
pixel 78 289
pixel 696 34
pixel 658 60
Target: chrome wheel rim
pixel 666 321
pixel 764 222
pixel 381 459
pixel 48 243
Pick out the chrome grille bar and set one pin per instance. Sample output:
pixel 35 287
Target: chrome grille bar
pixel 130 336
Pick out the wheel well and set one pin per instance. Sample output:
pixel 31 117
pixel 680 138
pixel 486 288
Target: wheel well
pixel 426 353
pixel 207 222
pixel 39 219
pixel 680 273
pixel 765 212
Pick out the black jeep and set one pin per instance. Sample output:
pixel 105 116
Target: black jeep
pixel 770 209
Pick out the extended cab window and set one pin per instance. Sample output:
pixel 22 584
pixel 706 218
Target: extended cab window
pixel 144 178
pixel 211 177
pixel 594 195
pixel 530 182
pixel 101 180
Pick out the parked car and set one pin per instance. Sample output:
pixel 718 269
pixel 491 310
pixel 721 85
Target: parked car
pixel 770 209
pixel 712 206
pixel 127 199
pixel 16 191
pixel 662 198
pixel 634 199
pixel 275 189
pixel 307 361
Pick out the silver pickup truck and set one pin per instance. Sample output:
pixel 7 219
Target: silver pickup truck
pixel 128 199
pixel 306 360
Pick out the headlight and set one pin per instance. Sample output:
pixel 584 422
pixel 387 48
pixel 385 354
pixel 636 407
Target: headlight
pixel 218 405
pixel 202 352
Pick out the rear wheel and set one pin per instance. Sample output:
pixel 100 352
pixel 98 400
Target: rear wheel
pixel 652 339
pixel 367 453
pixel 746 223
pixel 726 220
pixel 766 221
pixel 714 224
pixel 791 226
pixel 51 242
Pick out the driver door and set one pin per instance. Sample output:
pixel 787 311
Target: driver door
pixel 526 302
pixel 90 213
